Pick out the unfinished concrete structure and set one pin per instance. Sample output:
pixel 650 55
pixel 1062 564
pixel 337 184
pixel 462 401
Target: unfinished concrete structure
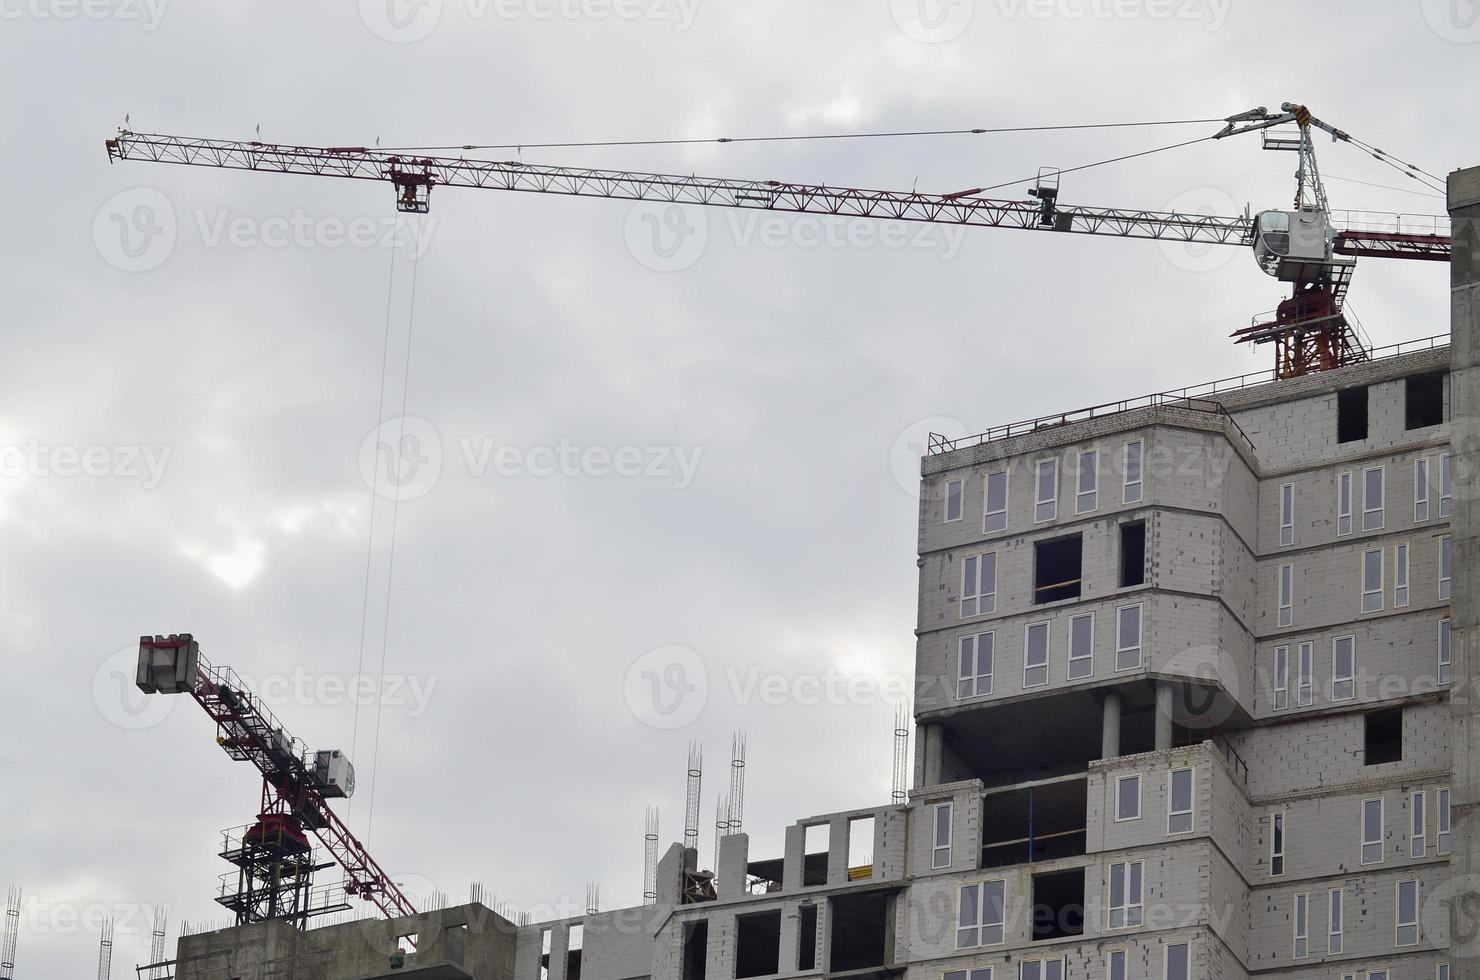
pixel 1194 680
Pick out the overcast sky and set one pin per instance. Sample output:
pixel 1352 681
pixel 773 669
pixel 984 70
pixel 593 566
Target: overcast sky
pixel 626 430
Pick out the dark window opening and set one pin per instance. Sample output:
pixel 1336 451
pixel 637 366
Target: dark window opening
pixel 1133 554
pixel 1351 414
pixel 807 939
pixel 695 949
pixel 757 944
pixel 1041 823
pixel 1058 904
pixel 815 845
pixel 1383 736
pixel 862 930
pixel 1423 400
pixel 1057 567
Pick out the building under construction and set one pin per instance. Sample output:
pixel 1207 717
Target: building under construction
pixel 1190 675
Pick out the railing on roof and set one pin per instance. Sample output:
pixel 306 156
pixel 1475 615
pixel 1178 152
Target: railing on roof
pixel 1193 397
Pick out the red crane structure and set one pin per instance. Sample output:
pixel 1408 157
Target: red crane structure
pixel 274 857
pixel 1299 246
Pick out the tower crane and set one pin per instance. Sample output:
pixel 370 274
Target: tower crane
pixel 1300 246
pixel 274 857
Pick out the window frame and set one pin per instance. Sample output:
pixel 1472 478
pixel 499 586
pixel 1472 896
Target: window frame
pixel 1119 781
pixel 1351 676
pixel 1278 831
pixel 1125 907
pixel 981 924
pixel 1110 955
pixel 976 662
pixel 1381 826
pixel 1120 646
pixel 1446 567
pixel 984 603
pixel 1052 462
pixel 1378 594
pixel 1305 674
pixel 1444 669
pixel 1125 469
pixel 1442 821
pixel 1420 489
pixel 1418 818
pixel 1087 657
pixel 1343 503
pixel 1285 597
pixel 1166 958
pixel 936 847
pixel 1335 920
pixel 1446 484
pixel 1080 493
pixel 960 484
pixel 1042 963
pixel 1280 698
pixel 987 512
pixel 1191 812
pixel 1401 584
pixel 1047 625
pixel 1381 509
pixel 1399 924
pixel 1300 926
pixel 1287 515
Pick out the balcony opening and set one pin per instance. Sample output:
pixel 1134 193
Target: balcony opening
pixel 1423 400
pixel 1039 823
pixel 1057 569
pixel 814 854
pixel 695 949
pixel 1058 904
pixel 860 848
pixel 1382 736
pixel 757 944
pixel 807 939
pixel 1132 554
pixel 574 944
pixel 1351 414
pixel 764 877
pixel 862 930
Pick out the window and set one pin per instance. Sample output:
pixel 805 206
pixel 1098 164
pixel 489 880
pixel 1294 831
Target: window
pixel 1041 969
pixel 1444 485
pixel 1082 647
pixel 1344 504
pixel 974 671
pixel 1374 975
pixel 1127 798
pixel 1035 654
pixel 1177 961
pixel 545 940
pixel 1305 681
pixel 1302 925
pixel 979 973
pixel 1179 801
pixel 979 585
pixel 1133 452
pixel 1421 489
pixel 1418 818
pixel 1441 971
pixel 1287 594
pixel 1281 678
pixel 1372 580
pixel 1088 496
pixel 1400 575
pixel 1115 965
pixel 1334 917
pixel 1125 894
pixel 1343 668
pixel 995 518
pixel 1046 503
pixel 1423 400
pixel 1128 637
pixel 1132 554
pixel 1287 515
pixel 1276 844
pixel 940 846
pixel 757 945
pixel 1351 414
pixel 1444 553
pixel 1443 807
pixel 1372 831
pixel 981 914
pixel 1372 487
pixel 1382 736
pixel 1058 569
pixel 953 500
pixel 1446 659
pixel 1406 933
